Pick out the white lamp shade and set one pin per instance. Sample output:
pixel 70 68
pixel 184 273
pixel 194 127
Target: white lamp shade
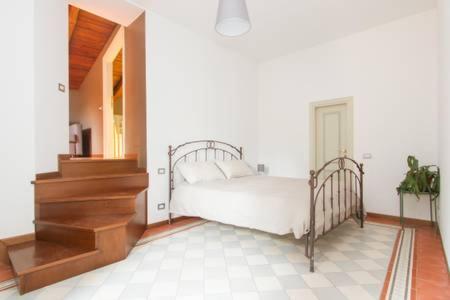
pixel 232 18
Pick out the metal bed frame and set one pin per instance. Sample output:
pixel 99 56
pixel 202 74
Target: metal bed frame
pixel 202 150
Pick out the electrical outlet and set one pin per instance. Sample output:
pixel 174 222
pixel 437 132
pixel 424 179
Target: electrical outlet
pixel 161 171
pixel 161 206
pixel 61 87
pixel 367 155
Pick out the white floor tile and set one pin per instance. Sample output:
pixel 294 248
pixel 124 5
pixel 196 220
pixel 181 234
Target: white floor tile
pixel 301 294
pixel 239 272
pixel 316 280
pixel 217 286
pixel 254 260
pixel 171 263
pixel 54 293
pixel 215 262
pixel 232 252
pixel 245 296
pixel 108 292
pixel 327 267
pixel 143 277
pixel 363 277
pixel 336 256
pixel 368 264
pixel 164 289
pixel 283 269
pixel 92 279
pixel 264 284
pixel 355 293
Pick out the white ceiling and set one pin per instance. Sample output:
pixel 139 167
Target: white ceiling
pixel 283 26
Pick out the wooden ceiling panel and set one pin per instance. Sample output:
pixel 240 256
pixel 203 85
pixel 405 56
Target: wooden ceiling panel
pixel 88 35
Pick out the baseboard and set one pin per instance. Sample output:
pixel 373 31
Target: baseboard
pixel 174 220
pixel 442 245
pixel 11 241
pixel 411 221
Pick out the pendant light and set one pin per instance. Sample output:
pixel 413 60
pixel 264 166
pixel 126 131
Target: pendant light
pixel 232 18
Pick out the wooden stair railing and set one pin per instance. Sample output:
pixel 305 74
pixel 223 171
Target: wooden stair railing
pixel 87 215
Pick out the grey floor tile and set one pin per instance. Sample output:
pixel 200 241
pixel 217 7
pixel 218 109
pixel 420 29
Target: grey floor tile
pixel 81 293
pixel 292 282
pixel 191 288
pixel 118 278
pixel 216 273
pixel 348 266
pixel 218 297
pixel 379 274
pixel 251 251
pixel 236 261
pixel 276 295
pixel 355 254
pixel 328 294
pixel 302 268
pixel 261 271
pixel 242 285
pixel 276 259
pixel 340 279
pixel 133 291
pixel 373 289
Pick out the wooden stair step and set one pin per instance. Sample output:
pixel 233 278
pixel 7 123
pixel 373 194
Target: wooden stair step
pixel 76 167
pixel 38 255
pixel 120 194
pixel 88 223
pixel 69 187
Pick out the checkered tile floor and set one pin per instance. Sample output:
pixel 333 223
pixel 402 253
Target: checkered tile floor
pixel 216 261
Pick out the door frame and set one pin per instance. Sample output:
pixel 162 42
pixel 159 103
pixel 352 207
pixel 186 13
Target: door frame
pixel 110 55
pixel 313 106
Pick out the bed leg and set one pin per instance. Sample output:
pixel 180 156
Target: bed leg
pixel 311 258
pixel 312 219
pixel 361 197
pixel 307 245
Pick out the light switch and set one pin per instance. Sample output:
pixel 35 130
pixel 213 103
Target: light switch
pixel 161 171
pixel 367 155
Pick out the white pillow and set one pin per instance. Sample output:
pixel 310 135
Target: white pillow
pixel 234 168
pixel 200 171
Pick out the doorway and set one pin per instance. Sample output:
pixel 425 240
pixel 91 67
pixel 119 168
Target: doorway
pixel 118 107
pixel 108 84
pixel 331 131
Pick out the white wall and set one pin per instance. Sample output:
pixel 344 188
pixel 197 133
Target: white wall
pixel 391 71
pixel 51 67
pixel 17 121
pixel 444 113
pixel 195 90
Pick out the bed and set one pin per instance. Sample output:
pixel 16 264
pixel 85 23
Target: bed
pixel 305 207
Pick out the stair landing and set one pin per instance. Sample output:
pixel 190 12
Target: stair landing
pixel 37 255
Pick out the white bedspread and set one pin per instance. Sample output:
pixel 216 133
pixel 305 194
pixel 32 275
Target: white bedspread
pixel 272 204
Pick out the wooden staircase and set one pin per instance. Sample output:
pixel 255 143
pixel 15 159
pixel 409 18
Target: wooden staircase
pixel 88 214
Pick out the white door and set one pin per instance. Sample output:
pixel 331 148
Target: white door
pixel 333 133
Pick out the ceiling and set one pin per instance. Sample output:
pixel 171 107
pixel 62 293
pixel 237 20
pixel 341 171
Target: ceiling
pixel 88 35
pixel 283 26
pixel 120 11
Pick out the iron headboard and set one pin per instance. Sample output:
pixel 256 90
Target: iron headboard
pixel 201 150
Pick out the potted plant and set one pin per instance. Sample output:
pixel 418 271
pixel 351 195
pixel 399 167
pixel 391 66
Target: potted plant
pixel 420 179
